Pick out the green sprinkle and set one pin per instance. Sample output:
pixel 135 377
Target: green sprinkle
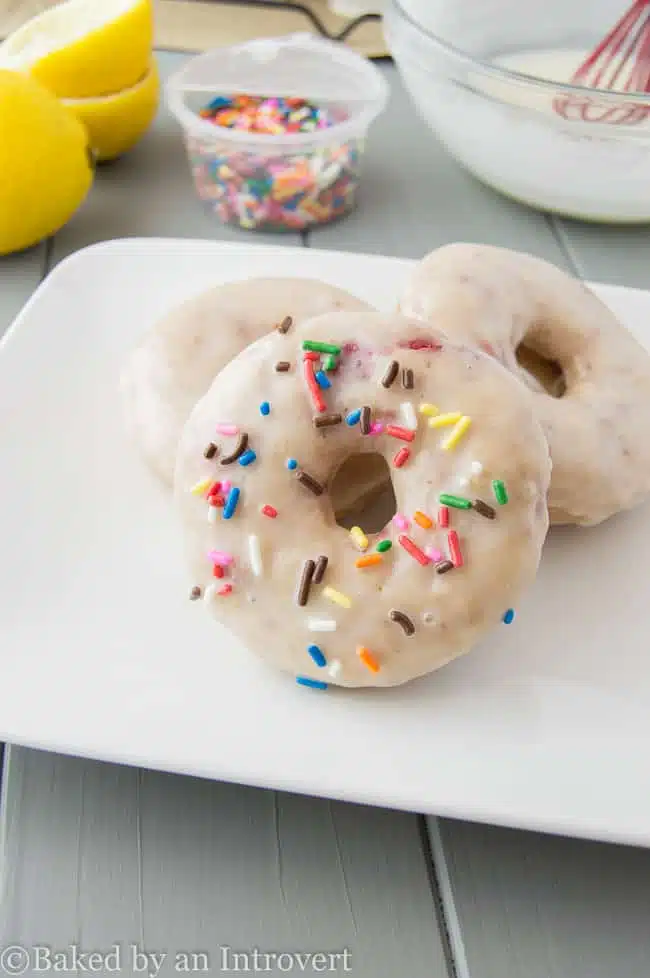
pixel 315 347
pixel 383 546
pixel 456 502
pixel 500 492
pixel 330 362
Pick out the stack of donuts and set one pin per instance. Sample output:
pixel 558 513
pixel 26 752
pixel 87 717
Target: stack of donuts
pixel 365 496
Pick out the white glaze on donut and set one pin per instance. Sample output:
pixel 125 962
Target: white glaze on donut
pixel 599 430
pixel 450 611
pixel 180 356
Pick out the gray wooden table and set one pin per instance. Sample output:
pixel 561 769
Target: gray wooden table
pixel 97 855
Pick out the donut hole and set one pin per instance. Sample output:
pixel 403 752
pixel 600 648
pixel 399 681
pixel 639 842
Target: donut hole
pixel 361 493
pixel 548 373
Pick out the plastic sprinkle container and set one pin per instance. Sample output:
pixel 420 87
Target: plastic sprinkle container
pixel 275 129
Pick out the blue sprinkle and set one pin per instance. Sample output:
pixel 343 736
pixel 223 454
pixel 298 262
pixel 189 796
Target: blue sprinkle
pixel 323 380
pixel 312 683
pixel 292 464
pixel 247 457
pixel 265 408
pixel 509 616
pixel 317 655
pixel 231 503
pixel 353 418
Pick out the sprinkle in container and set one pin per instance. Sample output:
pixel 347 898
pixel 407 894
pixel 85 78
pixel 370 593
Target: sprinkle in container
pixel 275 129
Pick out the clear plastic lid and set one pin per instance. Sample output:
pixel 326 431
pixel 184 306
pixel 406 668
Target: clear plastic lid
pixel 293 66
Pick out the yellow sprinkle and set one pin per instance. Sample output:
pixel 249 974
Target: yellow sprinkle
pixel 429 410
pixel 441 420
pixel 422 520
pixel 337 597
pixel 359 539
pixel 201 487
pixel 455 436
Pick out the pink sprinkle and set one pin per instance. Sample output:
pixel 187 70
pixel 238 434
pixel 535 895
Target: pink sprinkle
pixel 401 522
pixel 226 429
pixel 226 486
pixel 225 590
pixel 434 555
pixel 221 558
pixel 350 348
pixel 376 428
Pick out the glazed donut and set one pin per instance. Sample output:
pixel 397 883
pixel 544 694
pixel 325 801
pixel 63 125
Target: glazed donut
pixel 179 357
pixel 469 474
pixel 593 400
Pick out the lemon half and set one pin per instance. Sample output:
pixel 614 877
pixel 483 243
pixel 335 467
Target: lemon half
pixel 84 48
pixel 115 123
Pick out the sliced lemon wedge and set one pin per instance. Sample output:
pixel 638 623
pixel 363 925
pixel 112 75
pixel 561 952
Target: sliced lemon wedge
pixel 115 123
pixel 84 48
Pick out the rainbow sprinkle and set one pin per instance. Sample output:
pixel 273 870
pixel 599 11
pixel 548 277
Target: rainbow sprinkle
pixel 401 521
pixel 509 616
pixel 311 683
pixel 231 503
pixel 383 546
pixel 442 420
pixel 247 458
pixel 367 658
pixel 353 418
pixel 201 487
pixel 359 538
pixel 292 464
pixel 337 597
pixel 226 429
pixel 456 502
pixel 459 430
pixel 428 410
pixel 317 655
pixel 323 380
pixel 500 492
pixel 422 520
pixel 314 346
pixel 265 408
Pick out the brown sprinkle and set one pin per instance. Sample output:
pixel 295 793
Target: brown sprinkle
pixel 484 509
pixel 240 448
pixel 391 373
pixel 211 450
pixel 365 420
pixel 282 366
pixel 408 381
pixel 308 481
pixel 445 566
pixel 321 567
pixel 285 325
pixel 195 593
pixel 327 420
pixel 304 583
pixel 403 620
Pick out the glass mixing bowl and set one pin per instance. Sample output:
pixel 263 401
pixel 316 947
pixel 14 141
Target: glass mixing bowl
pixel 477 75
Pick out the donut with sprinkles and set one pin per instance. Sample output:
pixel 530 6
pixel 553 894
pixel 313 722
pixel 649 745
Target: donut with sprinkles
pixel 461 522
pixel 178 358
pixel 586 376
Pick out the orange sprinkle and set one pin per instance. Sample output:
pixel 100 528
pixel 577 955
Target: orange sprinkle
pixel 369 560
pixel 422 520
pixel 367 658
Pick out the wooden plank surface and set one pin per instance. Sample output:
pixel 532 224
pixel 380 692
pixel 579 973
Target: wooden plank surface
pixel 617 255
pixel 19 276
pixel 523 905
pixel 149 192
pixel 99 854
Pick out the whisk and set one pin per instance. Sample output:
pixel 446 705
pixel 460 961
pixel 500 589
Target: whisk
pixel 620 62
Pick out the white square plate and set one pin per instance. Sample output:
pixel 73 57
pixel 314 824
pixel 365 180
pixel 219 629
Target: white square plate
pixel 101 653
